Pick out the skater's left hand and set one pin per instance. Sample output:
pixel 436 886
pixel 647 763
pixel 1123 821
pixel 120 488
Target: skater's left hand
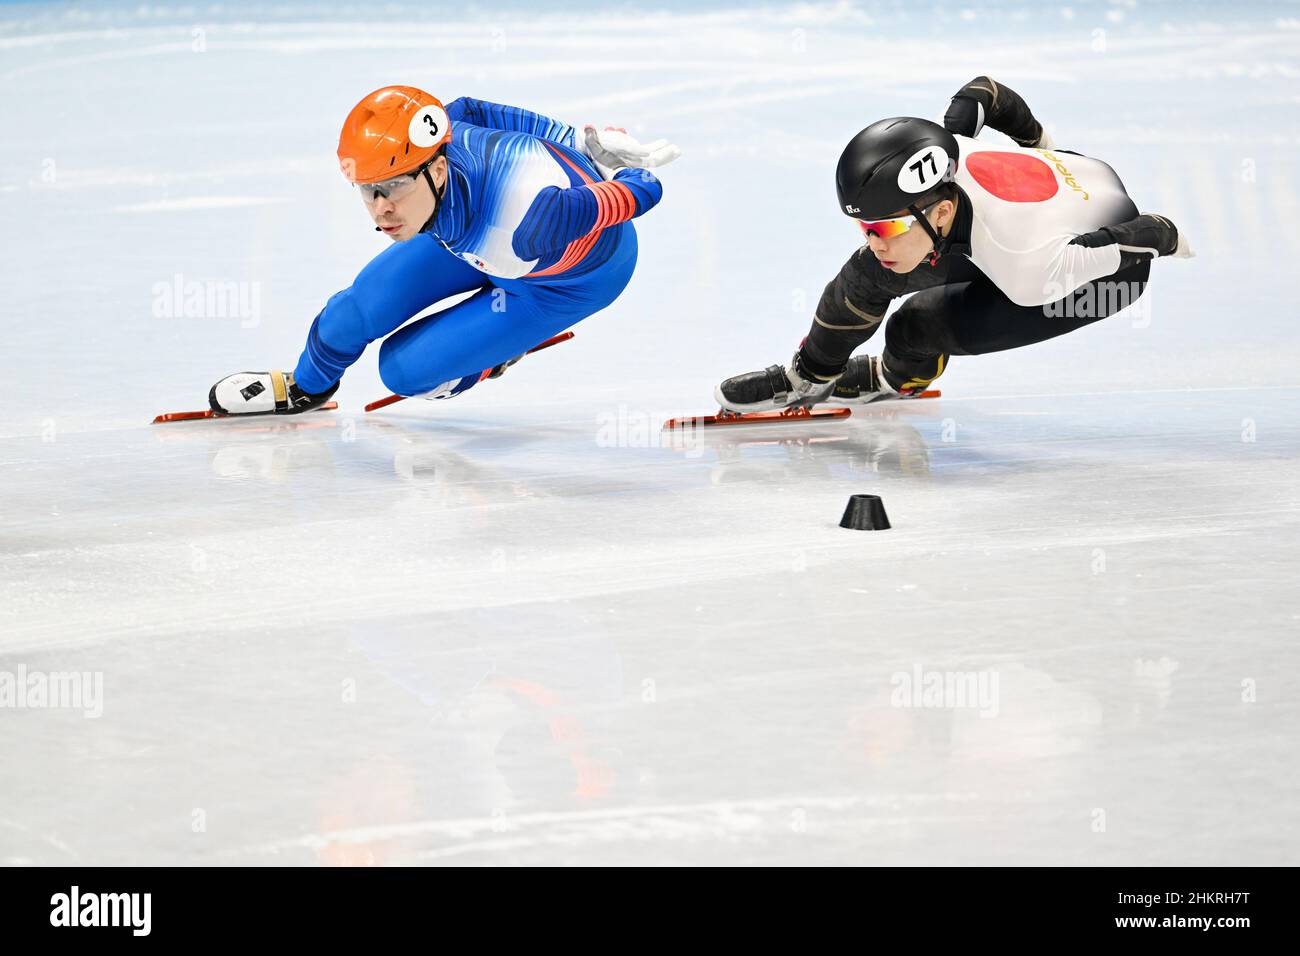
pixel 613 148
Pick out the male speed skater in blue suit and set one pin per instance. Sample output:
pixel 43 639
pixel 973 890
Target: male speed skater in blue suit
pixel 477 197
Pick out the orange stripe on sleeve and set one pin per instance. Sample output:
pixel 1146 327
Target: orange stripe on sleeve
pixel 615 203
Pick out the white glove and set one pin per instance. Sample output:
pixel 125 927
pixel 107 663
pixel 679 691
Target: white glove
pixel 612 149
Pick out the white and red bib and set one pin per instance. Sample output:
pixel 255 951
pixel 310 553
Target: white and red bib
pixel 1026 206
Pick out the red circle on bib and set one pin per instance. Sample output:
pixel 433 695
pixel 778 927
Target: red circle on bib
pixel 1014 177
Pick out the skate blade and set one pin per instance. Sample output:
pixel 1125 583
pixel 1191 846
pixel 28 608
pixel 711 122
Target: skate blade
pixel 882 400
pixel 789 416
pixel 209 413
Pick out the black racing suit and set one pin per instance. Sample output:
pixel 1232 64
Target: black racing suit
pixel 956 309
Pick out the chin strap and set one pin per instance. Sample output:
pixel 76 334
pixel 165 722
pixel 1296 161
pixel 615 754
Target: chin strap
pixel 940 242
pixel 437 196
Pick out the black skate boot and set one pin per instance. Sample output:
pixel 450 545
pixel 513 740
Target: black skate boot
pixel 263 393
pixel 498 370
pixel 861 383
pixel 864 381
pixel 772 389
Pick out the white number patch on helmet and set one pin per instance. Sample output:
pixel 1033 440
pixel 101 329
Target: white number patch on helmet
pixel 428 126
pixel 923 170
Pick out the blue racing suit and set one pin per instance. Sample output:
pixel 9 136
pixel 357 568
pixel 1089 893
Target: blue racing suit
pixel 526 220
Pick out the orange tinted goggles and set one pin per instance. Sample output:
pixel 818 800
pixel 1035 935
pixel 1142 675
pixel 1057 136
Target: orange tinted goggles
pixel 887 228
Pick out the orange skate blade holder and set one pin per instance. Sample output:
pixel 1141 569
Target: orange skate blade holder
pixel 785 416
pixel 788 416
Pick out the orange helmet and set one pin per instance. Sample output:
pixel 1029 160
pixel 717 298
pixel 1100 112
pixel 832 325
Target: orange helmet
pixel 392 131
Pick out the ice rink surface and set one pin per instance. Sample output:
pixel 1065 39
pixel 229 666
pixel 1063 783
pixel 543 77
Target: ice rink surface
pixel 524 626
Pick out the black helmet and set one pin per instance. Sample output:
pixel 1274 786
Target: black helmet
pixel 893 165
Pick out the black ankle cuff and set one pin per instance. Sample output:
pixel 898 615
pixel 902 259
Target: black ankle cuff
pixel 811 368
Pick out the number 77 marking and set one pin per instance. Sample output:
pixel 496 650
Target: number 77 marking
pixel 920 172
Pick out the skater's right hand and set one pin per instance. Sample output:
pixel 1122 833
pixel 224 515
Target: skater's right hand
pixel 613 149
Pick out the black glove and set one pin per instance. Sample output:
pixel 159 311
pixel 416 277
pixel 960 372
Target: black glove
pixel 1148 234
pixel 964 117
